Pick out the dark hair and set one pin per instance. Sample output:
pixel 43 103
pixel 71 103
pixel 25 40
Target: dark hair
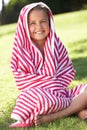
pixel 40 7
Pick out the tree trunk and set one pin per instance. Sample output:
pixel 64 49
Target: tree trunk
pixel 2 13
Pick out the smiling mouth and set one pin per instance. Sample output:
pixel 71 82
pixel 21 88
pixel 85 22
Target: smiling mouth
pixel 39 32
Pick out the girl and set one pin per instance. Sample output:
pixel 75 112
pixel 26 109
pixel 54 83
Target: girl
pixel 42 69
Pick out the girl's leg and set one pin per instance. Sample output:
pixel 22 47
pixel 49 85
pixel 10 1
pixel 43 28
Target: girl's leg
pixel 78 104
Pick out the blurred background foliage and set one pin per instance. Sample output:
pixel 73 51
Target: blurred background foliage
pixel 10 12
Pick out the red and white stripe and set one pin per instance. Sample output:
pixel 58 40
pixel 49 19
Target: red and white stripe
pixel 43 85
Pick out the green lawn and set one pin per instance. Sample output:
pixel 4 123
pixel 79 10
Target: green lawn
pixel 72 30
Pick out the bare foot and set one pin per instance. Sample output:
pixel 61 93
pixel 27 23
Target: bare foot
pixel 82 114
pixel 43 119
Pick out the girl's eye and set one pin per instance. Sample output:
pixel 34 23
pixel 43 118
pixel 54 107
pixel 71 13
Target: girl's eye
pixel 32 23
pixel 44 21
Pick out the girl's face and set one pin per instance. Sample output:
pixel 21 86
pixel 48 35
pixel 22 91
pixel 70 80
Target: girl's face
pixel 38 23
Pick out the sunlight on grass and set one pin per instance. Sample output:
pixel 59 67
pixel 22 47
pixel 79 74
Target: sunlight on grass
pixel 7 84
pixel 71 26
pixel 7 29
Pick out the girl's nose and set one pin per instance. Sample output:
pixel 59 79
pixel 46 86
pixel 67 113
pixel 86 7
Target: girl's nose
pixel 39 25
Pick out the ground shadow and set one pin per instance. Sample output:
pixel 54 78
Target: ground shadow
pixel 80 65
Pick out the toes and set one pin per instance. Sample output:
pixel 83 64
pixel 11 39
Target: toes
pixel 36 121
pixel 83 114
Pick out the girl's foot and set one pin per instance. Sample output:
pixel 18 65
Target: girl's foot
pixel 43 119
pixel 82 114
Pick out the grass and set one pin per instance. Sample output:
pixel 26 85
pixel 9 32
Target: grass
pixel 72 29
